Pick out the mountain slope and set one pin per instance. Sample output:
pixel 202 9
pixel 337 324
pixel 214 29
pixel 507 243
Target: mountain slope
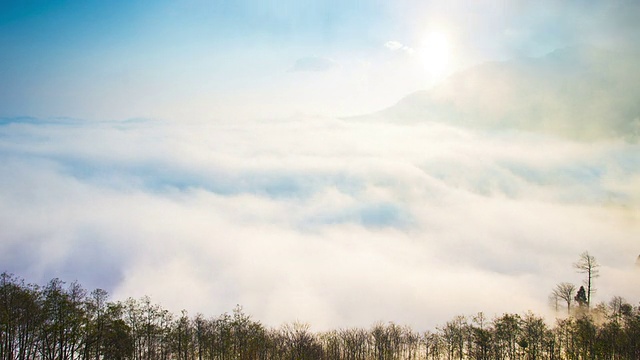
pixel 575 92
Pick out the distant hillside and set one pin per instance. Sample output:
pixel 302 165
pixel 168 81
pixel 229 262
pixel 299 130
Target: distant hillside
pixel 579 93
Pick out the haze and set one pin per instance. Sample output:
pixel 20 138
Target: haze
pixel 333 162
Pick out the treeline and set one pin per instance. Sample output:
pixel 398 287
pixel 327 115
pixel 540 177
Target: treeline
pixel 60 321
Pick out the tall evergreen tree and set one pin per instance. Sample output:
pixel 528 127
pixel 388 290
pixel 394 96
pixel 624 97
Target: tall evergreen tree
pixel 581 297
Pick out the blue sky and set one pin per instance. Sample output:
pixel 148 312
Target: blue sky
pixel 57 52
pixel 207 59
pixel 165 148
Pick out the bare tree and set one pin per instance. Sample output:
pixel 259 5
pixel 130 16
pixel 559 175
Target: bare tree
pixel 587 264
pixel 565 292
pixel 620 308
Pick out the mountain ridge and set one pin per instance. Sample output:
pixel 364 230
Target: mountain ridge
pixel 578 92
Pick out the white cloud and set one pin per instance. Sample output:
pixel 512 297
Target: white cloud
pixel 397 46
pixel 334 222
pixel 393 45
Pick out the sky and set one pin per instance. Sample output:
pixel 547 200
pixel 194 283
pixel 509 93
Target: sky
pixel 333 162
pixel 206 60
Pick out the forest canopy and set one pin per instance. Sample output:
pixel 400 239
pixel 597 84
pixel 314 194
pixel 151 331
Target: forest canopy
pixel 64 321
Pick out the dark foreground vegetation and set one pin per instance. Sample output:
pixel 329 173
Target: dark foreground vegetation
pixel 61 321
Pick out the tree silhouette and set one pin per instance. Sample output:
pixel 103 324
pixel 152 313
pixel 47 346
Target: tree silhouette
pixel 58 322
pixel 565 292
pixel 587 264
pixel 581 297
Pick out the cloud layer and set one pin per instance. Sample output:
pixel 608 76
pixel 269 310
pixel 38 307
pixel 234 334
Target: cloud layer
pixel 316 219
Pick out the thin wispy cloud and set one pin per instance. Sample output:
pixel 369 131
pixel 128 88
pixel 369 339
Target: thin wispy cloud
pixel 397 46
pixel 314 64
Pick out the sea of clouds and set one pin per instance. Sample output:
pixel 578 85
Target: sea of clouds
pixel 328 221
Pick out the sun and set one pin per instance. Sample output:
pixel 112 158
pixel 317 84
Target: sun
pixel 435 53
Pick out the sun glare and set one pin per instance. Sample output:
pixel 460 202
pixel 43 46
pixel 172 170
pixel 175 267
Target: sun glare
pixel 435 52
